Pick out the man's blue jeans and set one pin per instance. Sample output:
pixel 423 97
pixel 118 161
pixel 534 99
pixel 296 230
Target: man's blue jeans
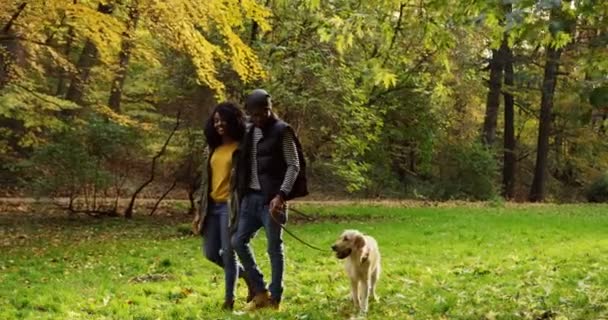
pixel 253 215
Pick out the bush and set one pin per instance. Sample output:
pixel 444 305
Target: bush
pixel 598 191
pixel 467 171
pixel 85 161
pixel 65 167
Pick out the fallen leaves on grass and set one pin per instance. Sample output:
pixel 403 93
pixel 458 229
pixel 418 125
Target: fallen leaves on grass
pixel 152 277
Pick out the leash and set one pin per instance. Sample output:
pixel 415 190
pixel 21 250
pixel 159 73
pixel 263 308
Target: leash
pixel 293 235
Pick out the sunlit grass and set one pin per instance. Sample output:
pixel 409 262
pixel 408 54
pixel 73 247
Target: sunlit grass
pixel 457 263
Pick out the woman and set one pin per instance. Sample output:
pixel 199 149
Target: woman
pixel 217 212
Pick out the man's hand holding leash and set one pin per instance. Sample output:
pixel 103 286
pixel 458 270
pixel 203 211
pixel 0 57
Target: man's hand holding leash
pixel 277 208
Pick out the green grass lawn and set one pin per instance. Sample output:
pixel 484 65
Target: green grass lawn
pixel 537 262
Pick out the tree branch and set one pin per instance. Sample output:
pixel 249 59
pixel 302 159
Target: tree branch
pixel 162 197
pixel 526 110
pixel 9 24
pixel 95 213
pixel 39 96
pixel 394 37
pixel 376 96
pixel 20 38
pixel 129 210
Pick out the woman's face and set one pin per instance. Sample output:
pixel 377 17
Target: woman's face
pixel 219 124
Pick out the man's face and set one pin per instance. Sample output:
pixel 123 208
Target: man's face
pixel 259 116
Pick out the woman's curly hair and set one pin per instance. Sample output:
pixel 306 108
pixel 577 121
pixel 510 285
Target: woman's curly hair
pixel 235 124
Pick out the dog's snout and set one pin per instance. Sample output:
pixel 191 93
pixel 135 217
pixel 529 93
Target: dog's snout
pixel 334 247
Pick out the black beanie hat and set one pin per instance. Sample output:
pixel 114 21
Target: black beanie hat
pixel 258 99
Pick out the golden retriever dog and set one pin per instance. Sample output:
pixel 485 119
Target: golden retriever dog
pixel 362 265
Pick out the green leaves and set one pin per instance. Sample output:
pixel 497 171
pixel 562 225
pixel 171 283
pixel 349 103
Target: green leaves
pixel 550 4
pixel 82 161
pixel 36 112
pixel 374 88
pixel 599 97
pixel 385 78
pixel 313 4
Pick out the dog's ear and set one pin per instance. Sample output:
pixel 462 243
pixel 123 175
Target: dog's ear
pixel 359 241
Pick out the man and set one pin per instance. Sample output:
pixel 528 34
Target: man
pixel 271 170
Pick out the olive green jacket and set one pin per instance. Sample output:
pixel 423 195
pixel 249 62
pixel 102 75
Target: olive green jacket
pixel 202 194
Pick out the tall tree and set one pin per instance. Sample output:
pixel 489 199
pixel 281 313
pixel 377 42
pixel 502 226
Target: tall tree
pixel 124 55
pixel 205 36
pixel 493 98
pixel 62 83
pixel 87 59
pixel 9 52
pixel 509 160
pixel 560 25
pixel 8 46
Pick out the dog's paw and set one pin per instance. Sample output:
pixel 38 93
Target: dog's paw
pixel 362 314
pixel 359 316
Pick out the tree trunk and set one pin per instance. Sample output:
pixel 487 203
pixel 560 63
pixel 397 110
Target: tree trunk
pixel 254 33
pixel 413 160
pixel 79 80
pixel 493 98
pixel 508 173
pixel 255 28
pixel 6 62
pixel 11 55
pixel 87 60
pixel 537 191
pixel 509 160
pixel 8 47
pixel 124 55
pixel 62 85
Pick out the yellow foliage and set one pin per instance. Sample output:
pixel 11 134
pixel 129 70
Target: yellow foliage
pixel 119 118
pixel 208 32
pixel 146 51
pixel 102 29
pixel 43 23
pixel 189 26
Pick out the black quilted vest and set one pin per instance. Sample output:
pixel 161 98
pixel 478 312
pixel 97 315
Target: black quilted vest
pixel 271 162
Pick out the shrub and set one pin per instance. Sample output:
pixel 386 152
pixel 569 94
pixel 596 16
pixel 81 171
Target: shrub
pixel 598 191
pixel 86 161
pixel 467 171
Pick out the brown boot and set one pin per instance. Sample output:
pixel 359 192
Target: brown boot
pixel 275 304
pixel 228 305
pixel 250 290
pixel 259 301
